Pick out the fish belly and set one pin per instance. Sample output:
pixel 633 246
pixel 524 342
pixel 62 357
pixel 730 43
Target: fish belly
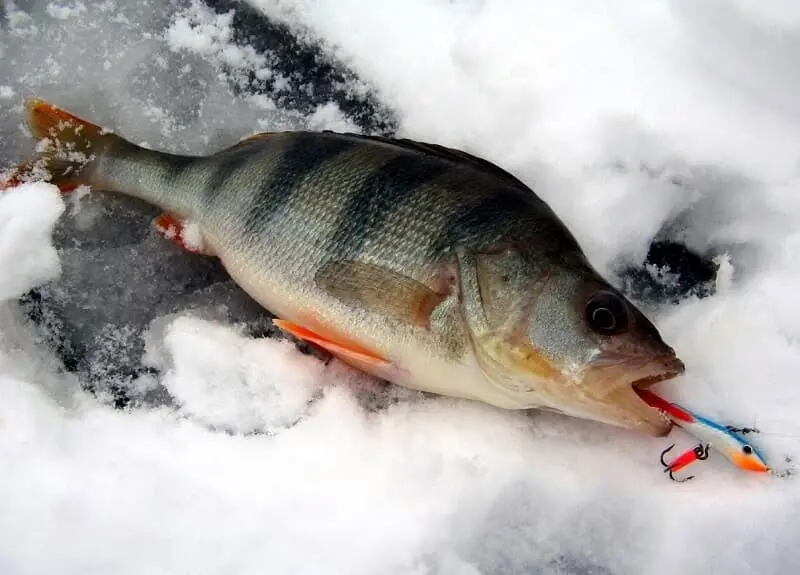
pixel 416 362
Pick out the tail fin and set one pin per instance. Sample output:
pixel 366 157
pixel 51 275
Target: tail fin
pixel 67 150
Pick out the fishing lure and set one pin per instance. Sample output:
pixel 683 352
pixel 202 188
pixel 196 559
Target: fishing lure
pixel 725 439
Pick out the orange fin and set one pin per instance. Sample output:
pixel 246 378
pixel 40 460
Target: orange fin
pixel 175 229
pixel 67 148
pixel 252 138
pixel 48 121
pixel 258 136
pixel 349 352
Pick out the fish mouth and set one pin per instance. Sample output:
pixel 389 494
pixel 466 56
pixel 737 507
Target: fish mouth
pixel 620 379
pixel 645 382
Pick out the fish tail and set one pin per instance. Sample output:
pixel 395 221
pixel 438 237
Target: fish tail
pixel 72 152
pixel 68 148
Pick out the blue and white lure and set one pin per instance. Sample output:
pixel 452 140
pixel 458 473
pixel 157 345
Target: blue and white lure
pixel 724 439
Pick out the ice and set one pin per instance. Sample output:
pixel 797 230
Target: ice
pixel 64 11
pixel 234 453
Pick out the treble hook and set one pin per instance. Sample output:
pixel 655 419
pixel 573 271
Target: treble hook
pixel 698 453
pixel 663 453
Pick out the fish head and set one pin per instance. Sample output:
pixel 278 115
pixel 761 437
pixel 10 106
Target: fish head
pixel 557 335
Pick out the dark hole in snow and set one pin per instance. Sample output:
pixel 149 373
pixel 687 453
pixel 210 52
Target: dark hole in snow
pixel 671 272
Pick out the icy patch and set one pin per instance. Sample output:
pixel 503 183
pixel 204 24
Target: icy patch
pixel 27 256
pixel 20 22
pixel 65 11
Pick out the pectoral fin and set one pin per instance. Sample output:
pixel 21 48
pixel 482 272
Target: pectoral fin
pixel 380 291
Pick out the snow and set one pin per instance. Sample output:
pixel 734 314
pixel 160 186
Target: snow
pixel 634 120
pixel 27 258
pixel 208 33
pixel 246 396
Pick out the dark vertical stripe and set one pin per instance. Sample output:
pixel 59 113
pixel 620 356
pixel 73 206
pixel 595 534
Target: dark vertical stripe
pixel 299 160
pixel 176 165
pixel 493 218
pixel 508 214
pixel 225 166
pixel 384 191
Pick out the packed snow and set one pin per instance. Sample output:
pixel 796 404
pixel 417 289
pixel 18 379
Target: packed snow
pixel 634 120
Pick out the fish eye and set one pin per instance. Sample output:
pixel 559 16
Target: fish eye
pixel 606 314
pixel 747 449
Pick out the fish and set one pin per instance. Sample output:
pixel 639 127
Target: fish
pixel 419 264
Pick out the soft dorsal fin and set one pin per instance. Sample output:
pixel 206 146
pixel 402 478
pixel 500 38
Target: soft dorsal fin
pixel 445 153
pixel 246 141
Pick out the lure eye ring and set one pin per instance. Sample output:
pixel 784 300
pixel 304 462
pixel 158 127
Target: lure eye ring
pixel 747 450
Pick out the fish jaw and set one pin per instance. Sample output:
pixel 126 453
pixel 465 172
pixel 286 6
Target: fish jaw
pixel 605 391
pixel 611 384
pixel 622 408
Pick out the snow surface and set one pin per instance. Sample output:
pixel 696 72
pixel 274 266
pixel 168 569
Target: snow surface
pixel 632 119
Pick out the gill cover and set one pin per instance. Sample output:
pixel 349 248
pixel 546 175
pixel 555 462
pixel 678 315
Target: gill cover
pixel 497 291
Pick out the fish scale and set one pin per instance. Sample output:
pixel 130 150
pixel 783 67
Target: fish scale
pixel 420 264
